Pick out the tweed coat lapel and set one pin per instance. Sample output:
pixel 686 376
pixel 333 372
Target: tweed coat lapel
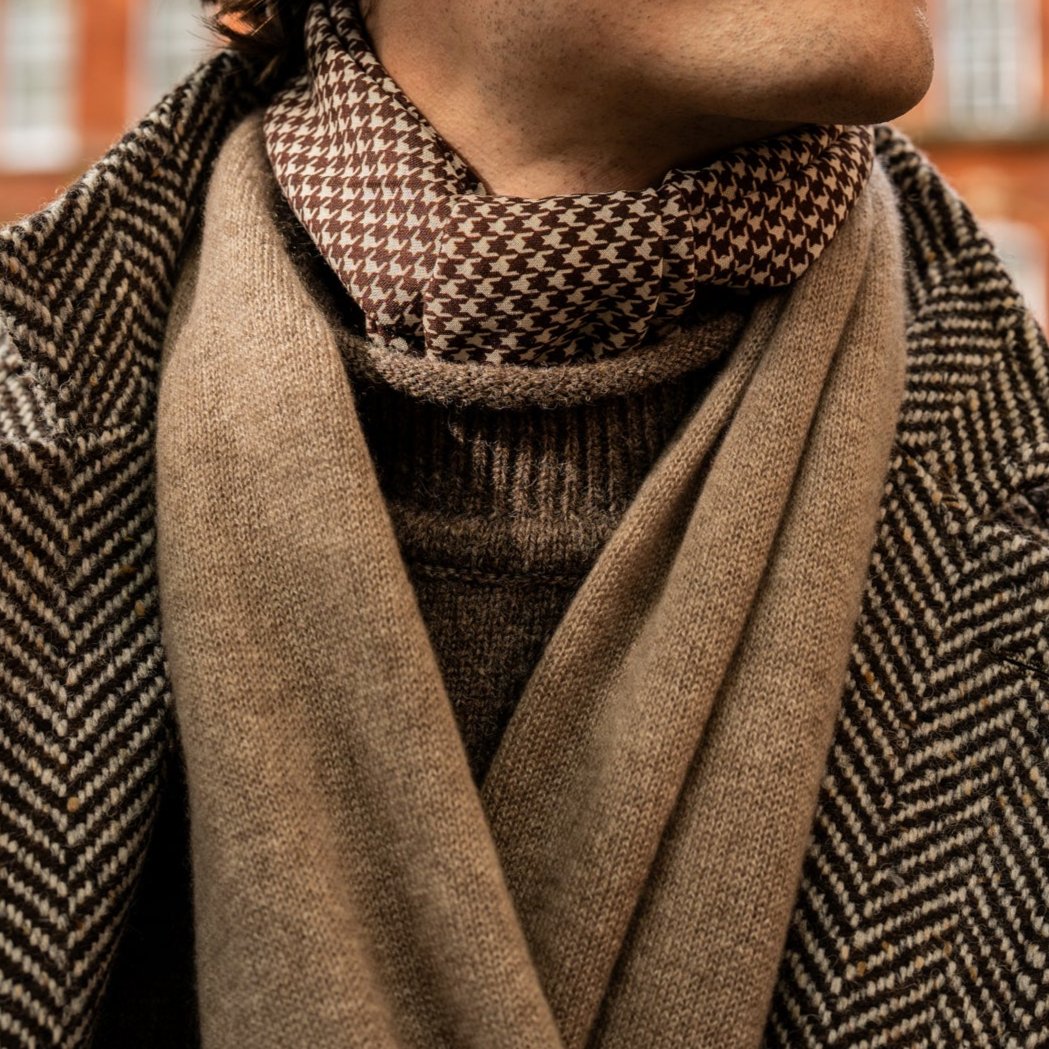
pixel 921 915
pixel 85 700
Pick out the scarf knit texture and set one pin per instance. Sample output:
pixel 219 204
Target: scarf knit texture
pixel 443 268
pixel 623 871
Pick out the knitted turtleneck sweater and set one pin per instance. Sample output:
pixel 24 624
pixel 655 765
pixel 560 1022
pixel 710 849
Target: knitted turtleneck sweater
pixel 500 515
pixel 502 490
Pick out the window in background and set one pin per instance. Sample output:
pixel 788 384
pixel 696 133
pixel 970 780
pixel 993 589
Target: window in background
pixel 169 39
pixel 1023 250
pixel 37 71
pixel 992 61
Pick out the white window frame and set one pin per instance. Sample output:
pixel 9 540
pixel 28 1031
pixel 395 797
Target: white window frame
pixel 38 41
pixel 992 53
pixel 168 32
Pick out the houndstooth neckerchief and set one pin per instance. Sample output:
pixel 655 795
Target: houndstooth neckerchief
pixel 442 268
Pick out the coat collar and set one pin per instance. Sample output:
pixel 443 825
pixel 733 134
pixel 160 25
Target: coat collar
pixel 974 433
pixel 85 283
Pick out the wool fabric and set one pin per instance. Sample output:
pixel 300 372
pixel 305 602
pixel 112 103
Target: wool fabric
pixel 624 874
pixel 918 919
pixel 441 267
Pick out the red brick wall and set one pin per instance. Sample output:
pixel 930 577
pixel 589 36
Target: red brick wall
pixel 23 194
pixel 104 70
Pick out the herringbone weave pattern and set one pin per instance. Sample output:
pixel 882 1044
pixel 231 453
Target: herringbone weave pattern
pixel 922 919
pixel 442 268
pixel 85 703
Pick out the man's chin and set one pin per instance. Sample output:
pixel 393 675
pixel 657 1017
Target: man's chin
pixel 844 72
pixel 854 99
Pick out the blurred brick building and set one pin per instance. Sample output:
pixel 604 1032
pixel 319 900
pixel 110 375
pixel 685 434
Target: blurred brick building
pixel 74 74
pixel 985 123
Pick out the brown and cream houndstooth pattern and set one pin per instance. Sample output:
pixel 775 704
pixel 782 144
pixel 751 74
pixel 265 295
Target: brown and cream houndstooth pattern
pixel 441 267
pixel 921 918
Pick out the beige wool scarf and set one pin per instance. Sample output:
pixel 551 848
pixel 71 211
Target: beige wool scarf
pixel 624 876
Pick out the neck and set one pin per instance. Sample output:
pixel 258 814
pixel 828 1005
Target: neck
pixel 531 129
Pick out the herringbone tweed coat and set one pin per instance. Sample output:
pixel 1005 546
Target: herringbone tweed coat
pixel 923 914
